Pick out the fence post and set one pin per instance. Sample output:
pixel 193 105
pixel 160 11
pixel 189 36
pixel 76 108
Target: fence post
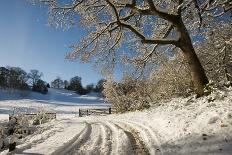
pixel 109 110
pixel 79 112
pixel 12 144
pixel 10 117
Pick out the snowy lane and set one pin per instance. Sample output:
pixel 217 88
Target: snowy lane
pixel 102 138
pixel 90 136
pixel 145 135
pixel 95 138
pixel 76 141
pixel 138 146
pixel 89 141
pixel 113 137
pixel 120 142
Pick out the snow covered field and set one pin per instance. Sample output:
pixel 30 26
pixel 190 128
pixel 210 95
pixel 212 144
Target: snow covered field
pixel 182 126
pixel 63 102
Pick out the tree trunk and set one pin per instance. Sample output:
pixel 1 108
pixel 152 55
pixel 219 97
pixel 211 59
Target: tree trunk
pixel 227 75
pixel 198 75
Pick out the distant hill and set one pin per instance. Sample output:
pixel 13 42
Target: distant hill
pixel 55 96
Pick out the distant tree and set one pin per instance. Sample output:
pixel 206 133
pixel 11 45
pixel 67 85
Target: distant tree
pixel 82 91
pixel 57 83
pixel 40 86
pixel 23 79
pixel 17 78
pixel 75 83
pixel 89 88
pixel 48 85
pixel 66 84
pixel 35 75
pixel 2 80
pixel 99 87
pixel 3 76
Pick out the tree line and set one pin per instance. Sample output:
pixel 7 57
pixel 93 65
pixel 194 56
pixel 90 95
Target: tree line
pixel 75 84
pixel 17 78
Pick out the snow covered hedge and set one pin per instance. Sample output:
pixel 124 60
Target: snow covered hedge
pixel 19 126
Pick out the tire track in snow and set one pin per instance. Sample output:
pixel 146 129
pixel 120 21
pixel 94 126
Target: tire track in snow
pixel 156 136
pixel 138 146
pixel 117 137
pixel 121 144
pixel 93 141
pixel 106 146
pixel 75 142
pixel 114 137
pixel 98 141
pixel 149 137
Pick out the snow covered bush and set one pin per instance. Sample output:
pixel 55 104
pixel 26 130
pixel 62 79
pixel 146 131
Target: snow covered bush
pixel 165 82
pixel 129 95
pixel 42 117
pixel 168 81
pixel 19 126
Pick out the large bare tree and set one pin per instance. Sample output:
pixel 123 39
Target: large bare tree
pixel 140 28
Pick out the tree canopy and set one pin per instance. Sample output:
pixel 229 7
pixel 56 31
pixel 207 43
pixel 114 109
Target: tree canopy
pixel 135 31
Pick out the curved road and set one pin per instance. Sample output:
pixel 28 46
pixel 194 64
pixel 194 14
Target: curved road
pixel 113 137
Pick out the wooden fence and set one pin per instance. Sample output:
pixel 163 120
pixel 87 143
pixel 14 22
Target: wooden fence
pixel 99 111
pixel 49 115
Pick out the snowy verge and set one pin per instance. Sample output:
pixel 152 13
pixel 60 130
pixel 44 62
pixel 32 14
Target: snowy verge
pixel 50 137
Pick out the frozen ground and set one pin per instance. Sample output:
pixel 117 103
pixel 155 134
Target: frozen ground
pixel 182 126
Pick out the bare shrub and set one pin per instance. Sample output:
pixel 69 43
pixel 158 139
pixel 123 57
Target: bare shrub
pixel 171 78
pixel 129 95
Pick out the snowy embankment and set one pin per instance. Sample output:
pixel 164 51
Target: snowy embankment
pixel 183 126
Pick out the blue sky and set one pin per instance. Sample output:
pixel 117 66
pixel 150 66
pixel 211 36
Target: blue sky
pixel 27 42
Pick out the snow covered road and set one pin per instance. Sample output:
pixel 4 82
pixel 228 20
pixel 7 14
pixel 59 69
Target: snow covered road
pixel 91 137
pixel 183 126
pixel 110 137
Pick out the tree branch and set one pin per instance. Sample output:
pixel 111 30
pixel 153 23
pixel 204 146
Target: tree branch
pixel 114 9
pixel 149 41
pixel 162 13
